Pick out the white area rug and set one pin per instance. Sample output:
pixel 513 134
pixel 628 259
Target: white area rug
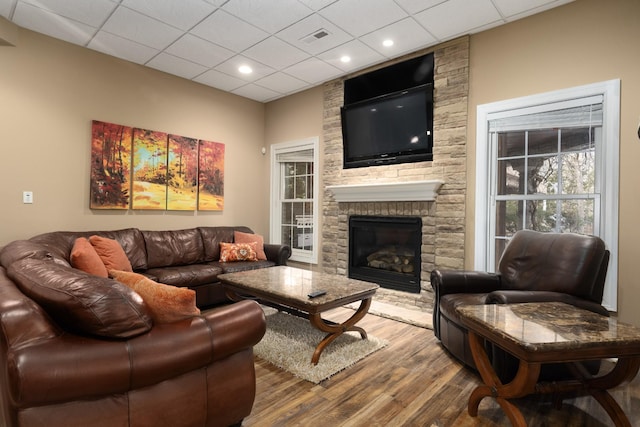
pixel 290 342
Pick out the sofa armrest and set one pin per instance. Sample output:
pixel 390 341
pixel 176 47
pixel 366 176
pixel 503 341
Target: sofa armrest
pixel 277 253
pixel 75 367
pixel 463 282
pixel 515 297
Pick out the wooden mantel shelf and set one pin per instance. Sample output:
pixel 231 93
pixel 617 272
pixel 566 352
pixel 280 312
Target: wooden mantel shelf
pixel 413 191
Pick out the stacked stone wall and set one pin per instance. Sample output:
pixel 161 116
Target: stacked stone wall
pixel 443 229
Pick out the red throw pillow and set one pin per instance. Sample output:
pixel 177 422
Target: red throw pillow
pixel 166 303
pixel 84 257
pixel 230 252
pixel 111 253
pixel 240 237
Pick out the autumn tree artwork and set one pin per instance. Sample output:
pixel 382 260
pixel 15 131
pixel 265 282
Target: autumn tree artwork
pixel 110 166
pixel 211 176
pixel 144 169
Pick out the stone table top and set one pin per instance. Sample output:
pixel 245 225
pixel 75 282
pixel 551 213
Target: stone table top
pixel 552 328
pixel 292 284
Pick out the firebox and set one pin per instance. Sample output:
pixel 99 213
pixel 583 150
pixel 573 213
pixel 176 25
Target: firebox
pixel 386 250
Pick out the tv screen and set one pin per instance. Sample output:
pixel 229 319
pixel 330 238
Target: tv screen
pixel 394 128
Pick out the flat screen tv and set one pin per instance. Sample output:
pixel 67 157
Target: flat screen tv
pixel 389 129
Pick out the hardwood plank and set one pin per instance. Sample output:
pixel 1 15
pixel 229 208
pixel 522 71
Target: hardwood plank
pixel 411 382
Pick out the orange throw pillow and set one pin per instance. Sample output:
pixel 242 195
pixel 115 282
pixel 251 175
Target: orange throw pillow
pixel 111 253
pixel 231 252
pixel 84 257
pixel 166 303
pixel 240 237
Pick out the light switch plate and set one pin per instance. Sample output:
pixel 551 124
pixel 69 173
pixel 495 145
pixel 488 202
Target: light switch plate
pixel 27 197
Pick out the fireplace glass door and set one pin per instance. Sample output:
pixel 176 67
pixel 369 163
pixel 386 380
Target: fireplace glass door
pixel 386 250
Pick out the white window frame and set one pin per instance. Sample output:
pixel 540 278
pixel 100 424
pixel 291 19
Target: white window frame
pixel 609 166
pixel 307 256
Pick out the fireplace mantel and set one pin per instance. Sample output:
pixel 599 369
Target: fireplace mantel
pixel 413 191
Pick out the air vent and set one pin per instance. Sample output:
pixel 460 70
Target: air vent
pixel 316 35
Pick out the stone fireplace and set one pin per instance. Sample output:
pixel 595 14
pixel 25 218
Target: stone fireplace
pixel 434 191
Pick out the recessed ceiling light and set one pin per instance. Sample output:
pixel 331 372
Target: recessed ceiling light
pixel 245 69
pixel 387 43
pixel 345 59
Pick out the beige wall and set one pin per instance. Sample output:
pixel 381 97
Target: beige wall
pixel 586 41
pixel 294 118
pixel 51 90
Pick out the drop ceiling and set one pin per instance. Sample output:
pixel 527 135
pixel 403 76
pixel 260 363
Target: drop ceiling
pixel 290 45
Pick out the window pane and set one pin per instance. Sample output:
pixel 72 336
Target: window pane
pixel 543 141
pixel 542 175
pixel 577 216
pixel 510 144
pixel 510 176
pixel 578 173
pixel 301 187
pixel 287 218
pixel 301 168
pixel 541 215
pixel 289 187
pixel 576 139
pixel 508 217
pixel 500 245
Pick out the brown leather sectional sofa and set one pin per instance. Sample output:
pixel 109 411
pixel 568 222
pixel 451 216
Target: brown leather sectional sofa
pixel 91 356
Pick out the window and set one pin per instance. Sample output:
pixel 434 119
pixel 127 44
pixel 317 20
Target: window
pixel 294 188
pixel 549 163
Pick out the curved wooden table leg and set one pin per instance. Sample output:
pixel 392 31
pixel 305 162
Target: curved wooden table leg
pixel 336 329
pixel 624 370
pixel 523 383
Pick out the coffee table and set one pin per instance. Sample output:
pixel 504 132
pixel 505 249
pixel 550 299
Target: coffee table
pixel 551 332
pixel 288 288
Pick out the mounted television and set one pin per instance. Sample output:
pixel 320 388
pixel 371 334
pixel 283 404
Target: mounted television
pixel 389 129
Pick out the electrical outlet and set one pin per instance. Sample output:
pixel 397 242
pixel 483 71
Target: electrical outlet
pixel 27 197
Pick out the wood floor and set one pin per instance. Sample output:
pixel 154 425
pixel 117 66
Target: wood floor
pixel 411 382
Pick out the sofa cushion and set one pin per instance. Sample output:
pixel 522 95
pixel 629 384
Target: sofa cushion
pixel 165 302
pixel 173 247
pixel 84 257
pixel 80 301
pixel 213 236
pixel 240 237
pixel 232 252
pixel 111 253
pixel 185 275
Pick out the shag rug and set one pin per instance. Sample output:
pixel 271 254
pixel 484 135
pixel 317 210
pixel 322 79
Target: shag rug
pixel 290 341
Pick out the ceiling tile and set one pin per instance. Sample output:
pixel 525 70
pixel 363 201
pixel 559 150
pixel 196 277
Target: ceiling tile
pixel 317 4
pixel 219 80
pixel 231 66
pixel 92 13
pixel 56 26
pixel 177 66
pixel 271 16
pixel 275 53
pixel 456 17
pixel 183 14
pixel 407 36
pixel 228 31
pixel 361 55
pixel 313 71
pixel 281 83
pixel 6 7
pixel 520 8
pixel 359 17
pixel 415 6
pixel 135 26
pixel 122 48
pixel 298 35
pixel 256 92
pixel 200 51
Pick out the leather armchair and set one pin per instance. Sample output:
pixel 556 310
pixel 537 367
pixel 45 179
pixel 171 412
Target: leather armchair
pixel 535 267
